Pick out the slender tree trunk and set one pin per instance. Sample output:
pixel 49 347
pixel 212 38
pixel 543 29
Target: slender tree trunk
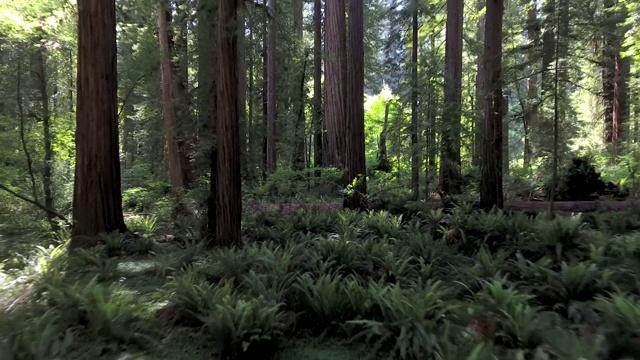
pixel 317 84
pixel 229 184
pixel 97 197
pixel 450 161
pixel 251 150
pixel 505 136
pixel 415 149
pixel 298 162
pixel 479 119
pixel 530 117
pixel 168 107
pixel 335 29
pixel 265 94
pixel 47 168
pixel 23 133
pixel 383 159
pixel 271 87
pixel 356 161
pixel 491 181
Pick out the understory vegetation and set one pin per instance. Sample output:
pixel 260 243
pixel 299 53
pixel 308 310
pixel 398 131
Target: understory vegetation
pixel 334 284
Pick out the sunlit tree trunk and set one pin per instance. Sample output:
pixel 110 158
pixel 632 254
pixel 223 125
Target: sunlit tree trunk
pixel 97 198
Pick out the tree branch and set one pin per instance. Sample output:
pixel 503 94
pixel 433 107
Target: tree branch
pixel 33 202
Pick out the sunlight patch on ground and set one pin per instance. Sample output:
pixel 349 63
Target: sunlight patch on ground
pixel 137 266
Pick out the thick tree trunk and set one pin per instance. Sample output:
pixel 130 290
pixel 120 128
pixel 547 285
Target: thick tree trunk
pixel 97 198
pixel 491 181
pixel 168 106
pixel 317 84
pixel 335 29
pixel 450 161
pixel 207 66
pixel 271 87
pixel 229 184
pixel 356 161
pixel 415 149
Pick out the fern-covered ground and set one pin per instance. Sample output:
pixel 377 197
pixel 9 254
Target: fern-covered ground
pixel 333 285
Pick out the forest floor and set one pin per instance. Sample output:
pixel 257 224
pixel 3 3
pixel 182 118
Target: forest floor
pixel 324 283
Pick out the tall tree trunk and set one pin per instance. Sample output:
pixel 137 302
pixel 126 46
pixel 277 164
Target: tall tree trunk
pixel 317 84
pixel 207 98
pixel 179 55
pixel 356 160
pixel 530 117
pixel 251 150
pixel 415 149
pixel 229 184
pixel 505 136
pixel 271 87
pixel 479 119
pixel 242 91
pixel 97 197
pixel 265 93
pixel 491 181
pixel 298 162
pixel 450 157
pixel 168 106
pixel 23 134
pixel 335 29
pixel 298 7
pixel 47 168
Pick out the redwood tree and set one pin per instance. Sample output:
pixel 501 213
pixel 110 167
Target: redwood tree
pixel 97 198
pixel 271 87
pixel 355 162
pixel 491 181
pixel 450 157
pixel 229 188
pixel 317 83
pixel 335 29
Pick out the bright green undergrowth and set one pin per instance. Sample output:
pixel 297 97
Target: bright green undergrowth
pixel 335 285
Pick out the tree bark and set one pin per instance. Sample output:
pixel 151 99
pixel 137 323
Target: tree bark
pixel 168 106
pixel 47 168
pixel 335 29
pixel 271 87
pixel 97 198
pixel 450 161
pixel 317 84
pixel 479 118
pixel 229 184
pixel 530 116
pixel 415 150
pixel 491 182
pixel 356 161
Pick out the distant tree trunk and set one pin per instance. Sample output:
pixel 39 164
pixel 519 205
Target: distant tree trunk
pixel 47 169
pixel 335 29
pixel 271 87
pixel 265 93
pixel 415 150
pixel 179 55
pixel 356 161
pixel 479 119
pixel 97 198
pixel 298 162
pixel 543 131
pixel 530 116
pixel 383 159
pixel 229 184
pixel 505 136
pixel 491 181
pixel 23 133
pixel 298 7
pixel 251 150
pixel 168 106
pixel 450 157
pixel 317 84
pixel 614 76
pixel 207 66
